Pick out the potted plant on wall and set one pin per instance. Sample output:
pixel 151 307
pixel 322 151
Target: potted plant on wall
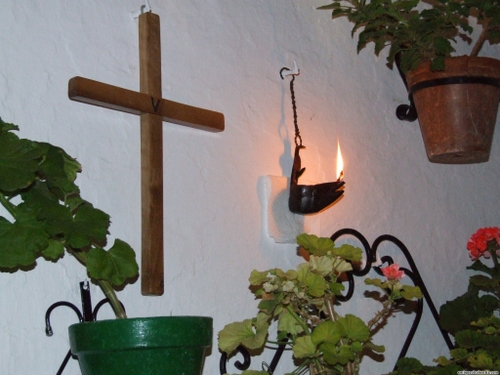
pixel 303 303
pixel 46 217
pixel 472 318
pixel 456 98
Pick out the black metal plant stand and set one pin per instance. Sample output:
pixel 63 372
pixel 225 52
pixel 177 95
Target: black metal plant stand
pixel 86 315
pixel 371 257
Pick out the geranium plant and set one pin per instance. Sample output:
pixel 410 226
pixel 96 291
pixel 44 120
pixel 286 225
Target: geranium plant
pixel 472 318
pixel 45 216
pixel 303 303
pixel 418 30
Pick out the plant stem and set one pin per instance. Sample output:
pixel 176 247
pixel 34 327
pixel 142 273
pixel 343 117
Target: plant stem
pixel 350 368
pixel 329 307
pixel 109 292
pixel 385 309
pixel 482 37
pixel 106 287
pixel 7 205
pixel 297 318
pixel 494 257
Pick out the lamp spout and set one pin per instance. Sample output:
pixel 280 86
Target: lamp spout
pixel 310 199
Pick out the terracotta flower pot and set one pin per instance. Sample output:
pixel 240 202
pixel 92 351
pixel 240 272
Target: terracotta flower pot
pixel 457 108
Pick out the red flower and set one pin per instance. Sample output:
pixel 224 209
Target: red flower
pixel 478 242
pixel 392 272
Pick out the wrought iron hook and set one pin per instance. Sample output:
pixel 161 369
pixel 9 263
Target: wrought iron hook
pixel 50 332
pixel 405 112
pixel 86 315
pixel 287 71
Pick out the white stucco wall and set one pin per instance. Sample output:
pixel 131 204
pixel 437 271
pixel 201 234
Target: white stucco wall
pixel 225 55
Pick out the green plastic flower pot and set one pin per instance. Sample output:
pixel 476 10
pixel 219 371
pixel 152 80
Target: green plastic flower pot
pixel 172 345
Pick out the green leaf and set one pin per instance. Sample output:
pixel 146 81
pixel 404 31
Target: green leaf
pixel 443 46
pixel 250 333
pixel 5 126
pixel 376 348
pixel 90 225
pixel 438 63
pixel 330 6
pixel 339 12
pixel 481 361
pixel 316 284
pixel 459 354
pixel 322 264
pixel 470 339
pixel 334 355
pixel 287 323
pixel 38 198
pixel 456 315
pixel 376 282
pixel 410 292
pixel 341 266
pixel 479 266
pixel 486 322
pixel 269 305
pixel 443 361
pixel 231 336
pixel 19 160
pixel 20 242
pixel 304 347
pixel 329 332
pixel 59 170
pixel 354 328
pixel 356 346
pixel 409 365
pixel 315 245
pixel 482 281
pixel 57 219
pixel 258 278
pixel 115 265
pixel 54 250
pixel 348 252
pixel 337 288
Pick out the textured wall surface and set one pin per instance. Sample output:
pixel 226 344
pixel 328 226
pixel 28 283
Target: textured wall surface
pixel 226 55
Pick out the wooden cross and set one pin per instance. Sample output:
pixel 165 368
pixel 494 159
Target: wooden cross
pixel 148 103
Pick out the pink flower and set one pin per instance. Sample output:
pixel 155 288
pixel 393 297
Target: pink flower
pixel 392 272
pixel 479 241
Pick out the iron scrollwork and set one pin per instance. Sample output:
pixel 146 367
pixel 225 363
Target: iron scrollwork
pixel 87 314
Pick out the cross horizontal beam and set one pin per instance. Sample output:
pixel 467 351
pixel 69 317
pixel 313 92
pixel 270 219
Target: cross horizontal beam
pixel 103 95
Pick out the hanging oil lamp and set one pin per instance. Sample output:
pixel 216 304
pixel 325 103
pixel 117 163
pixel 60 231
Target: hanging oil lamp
pixel 307 199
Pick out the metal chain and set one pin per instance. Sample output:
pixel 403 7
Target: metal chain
pixel 294 106
pixel 298 138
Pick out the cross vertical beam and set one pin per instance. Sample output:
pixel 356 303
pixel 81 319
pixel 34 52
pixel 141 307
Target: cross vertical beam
pixel 152 157
pixel 153 110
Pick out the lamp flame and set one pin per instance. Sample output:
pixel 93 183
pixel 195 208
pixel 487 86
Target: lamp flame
pixel 340 164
